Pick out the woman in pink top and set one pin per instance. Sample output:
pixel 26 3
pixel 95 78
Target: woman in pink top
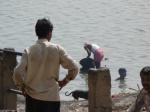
pixel 97 52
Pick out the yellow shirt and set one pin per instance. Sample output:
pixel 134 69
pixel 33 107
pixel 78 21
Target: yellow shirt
pixel 39 67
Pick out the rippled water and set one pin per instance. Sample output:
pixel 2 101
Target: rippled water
pixel 120 27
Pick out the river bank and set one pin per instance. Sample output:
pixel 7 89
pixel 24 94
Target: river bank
pixel 120 103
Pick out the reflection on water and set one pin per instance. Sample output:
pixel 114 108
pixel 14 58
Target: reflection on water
pixel 122 85
pixel 84 76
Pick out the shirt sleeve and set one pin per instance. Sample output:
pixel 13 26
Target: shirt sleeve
pixel 20 71
pixel 68 63
pixel 138 103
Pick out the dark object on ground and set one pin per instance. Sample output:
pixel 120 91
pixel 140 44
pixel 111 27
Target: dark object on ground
pixel 86 64
pixel 78 94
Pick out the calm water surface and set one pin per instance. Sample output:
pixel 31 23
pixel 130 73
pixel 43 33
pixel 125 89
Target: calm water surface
pixel 120 27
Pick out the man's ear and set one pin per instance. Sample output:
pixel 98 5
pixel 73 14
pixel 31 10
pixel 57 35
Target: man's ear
pixel 49 35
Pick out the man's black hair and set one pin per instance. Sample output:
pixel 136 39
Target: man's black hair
pixel 42 27
pixel 145 71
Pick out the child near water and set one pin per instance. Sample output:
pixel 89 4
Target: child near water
pixel 122 72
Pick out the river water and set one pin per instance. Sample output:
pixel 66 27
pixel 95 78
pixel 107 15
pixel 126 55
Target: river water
pixel 120 27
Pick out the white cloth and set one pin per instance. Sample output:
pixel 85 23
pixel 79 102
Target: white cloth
pixel 94 48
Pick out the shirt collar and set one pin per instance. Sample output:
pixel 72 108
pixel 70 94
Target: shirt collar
pixel 144 91
pixel 41 40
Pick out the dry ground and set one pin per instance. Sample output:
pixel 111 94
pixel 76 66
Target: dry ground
pixel 120 104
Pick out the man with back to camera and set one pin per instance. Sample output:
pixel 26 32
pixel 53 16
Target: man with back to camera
pixel 143 98
pixel 37 74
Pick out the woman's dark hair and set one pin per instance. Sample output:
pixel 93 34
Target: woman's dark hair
pixel 42 27
pixel 145 71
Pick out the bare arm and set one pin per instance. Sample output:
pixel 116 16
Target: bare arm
pixel 88 51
